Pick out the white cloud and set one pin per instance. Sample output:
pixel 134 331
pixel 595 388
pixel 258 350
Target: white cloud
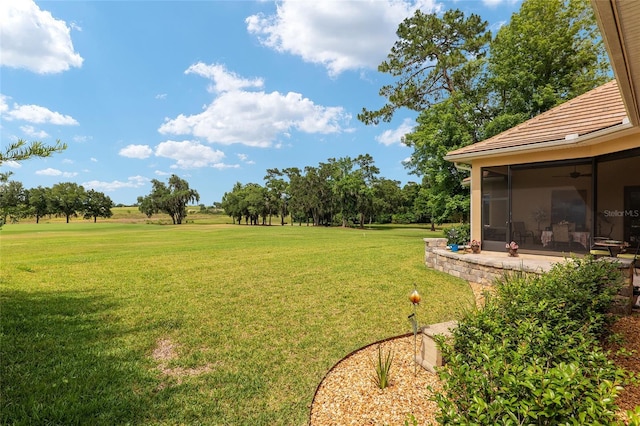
pixel 33 39
pixel 93 160
pixel 245 159
pixel 4 106
pixel 390 137
pixel 132 182
pixel 254 118
pixel 81 139
pixel 55 172
pixel 161 173
pixel 33 133
pixel 222 166
pixel 38 115
pixel 12 164
pixel 136 151
pixel 223 80
pixel 496 3
pixel 189 154
pixel 161 96
pixel 340 35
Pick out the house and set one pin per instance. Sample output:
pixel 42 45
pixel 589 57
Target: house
pixel 570 176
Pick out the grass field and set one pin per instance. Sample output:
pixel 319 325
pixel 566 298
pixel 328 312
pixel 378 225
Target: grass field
pixel 133 323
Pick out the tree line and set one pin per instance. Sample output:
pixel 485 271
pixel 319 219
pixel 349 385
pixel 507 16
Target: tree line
pixel 340 191
pixel 466 85
pixel 66 199
pixel 69 199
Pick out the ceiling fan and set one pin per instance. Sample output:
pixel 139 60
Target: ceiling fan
pixel 575 174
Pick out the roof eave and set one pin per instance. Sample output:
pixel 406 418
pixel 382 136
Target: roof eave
pixel 614 19
pixel 598 136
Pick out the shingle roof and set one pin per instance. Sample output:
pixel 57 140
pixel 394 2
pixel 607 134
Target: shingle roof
pixel 595 110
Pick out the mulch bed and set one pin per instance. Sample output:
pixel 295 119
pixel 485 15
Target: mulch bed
pixel 628 329
pixel 348 395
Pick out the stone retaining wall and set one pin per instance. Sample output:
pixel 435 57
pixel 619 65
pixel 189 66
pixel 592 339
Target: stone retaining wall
pixel 476 268
pixel 482 269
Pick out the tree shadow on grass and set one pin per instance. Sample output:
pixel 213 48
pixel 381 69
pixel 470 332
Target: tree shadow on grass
pixel 60 362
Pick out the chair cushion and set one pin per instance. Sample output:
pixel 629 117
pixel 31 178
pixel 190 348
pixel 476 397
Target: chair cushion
pixel 626 255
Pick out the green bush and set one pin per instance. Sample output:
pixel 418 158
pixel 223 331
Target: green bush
pixel 458 234
pixel 531 356
pixel 404 218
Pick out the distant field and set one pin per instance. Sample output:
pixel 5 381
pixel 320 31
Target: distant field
pixel 133 215
pixel 135 323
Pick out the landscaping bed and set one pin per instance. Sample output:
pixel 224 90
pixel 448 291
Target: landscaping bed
pixel 349 396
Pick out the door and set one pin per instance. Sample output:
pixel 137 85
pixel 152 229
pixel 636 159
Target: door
pixel 631 220
pixel 495 207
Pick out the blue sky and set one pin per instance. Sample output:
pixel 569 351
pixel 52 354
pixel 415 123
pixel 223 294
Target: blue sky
pixel 216 92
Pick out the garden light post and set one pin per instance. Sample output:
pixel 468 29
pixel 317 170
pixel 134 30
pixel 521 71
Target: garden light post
pixel 415 298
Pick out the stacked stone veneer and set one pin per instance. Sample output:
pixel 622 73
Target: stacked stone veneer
pixel 481 270
pixel 475 268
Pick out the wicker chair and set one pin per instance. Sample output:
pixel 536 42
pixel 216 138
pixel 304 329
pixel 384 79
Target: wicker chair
pixel 561 235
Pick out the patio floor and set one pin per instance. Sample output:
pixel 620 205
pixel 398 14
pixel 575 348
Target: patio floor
pixel 528 261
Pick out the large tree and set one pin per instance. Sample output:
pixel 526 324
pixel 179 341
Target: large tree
pixel 432 58
pixel 39 202
pixel 96 204
pixel 440 129
pixel 231 203
pixel 171 199
pixel 20 150
pixel 276 193
pixel 13 199
pixel 549 52
pixel 439 63
pixel 387 200
pixel 67 199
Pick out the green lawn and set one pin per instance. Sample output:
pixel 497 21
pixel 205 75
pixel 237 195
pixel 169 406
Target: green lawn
pixel 256 316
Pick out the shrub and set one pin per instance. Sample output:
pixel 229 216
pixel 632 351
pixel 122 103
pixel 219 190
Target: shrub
pixel 458 234
pixel 403 218
pixel 531 356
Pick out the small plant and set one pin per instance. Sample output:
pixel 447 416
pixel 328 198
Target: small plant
pixel 539 215
pixel 512 248
pixel 382 366
pixel 457 234
pixel 616 339
pixel 624 352
pixel 411 420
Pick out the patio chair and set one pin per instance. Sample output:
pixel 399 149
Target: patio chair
pixel 633 255
pixel 561 235
pixel 520 232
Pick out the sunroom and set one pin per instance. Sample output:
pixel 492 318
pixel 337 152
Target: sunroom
pixel 570 177
pixel 560 182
